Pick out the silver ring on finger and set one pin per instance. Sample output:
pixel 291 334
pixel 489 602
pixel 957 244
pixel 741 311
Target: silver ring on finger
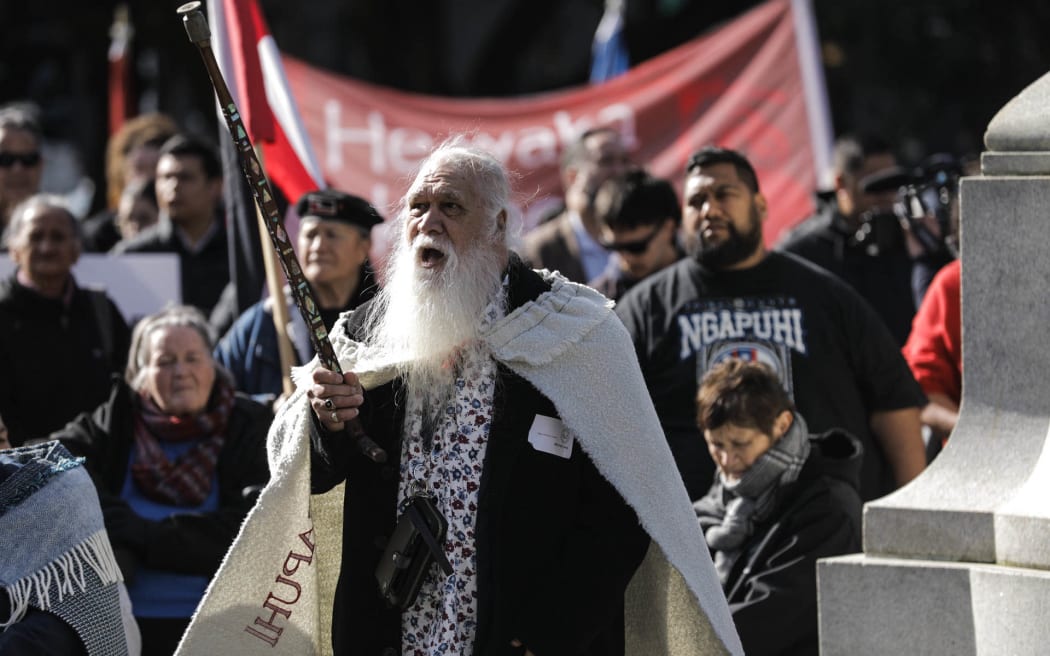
pixel 328 404
pixel 335 417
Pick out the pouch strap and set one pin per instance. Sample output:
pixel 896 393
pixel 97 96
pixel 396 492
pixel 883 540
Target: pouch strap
pixel 435 549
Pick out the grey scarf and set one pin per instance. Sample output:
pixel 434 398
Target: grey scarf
pixel 730 510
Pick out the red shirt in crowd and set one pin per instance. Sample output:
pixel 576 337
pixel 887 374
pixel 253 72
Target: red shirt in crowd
pixel 934 347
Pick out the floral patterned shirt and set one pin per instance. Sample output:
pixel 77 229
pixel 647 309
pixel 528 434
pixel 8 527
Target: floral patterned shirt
pixel 443 457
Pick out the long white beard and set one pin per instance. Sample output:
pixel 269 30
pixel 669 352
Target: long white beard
pixel 428 320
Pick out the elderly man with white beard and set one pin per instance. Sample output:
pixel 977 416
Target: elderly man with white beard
pixel 529 503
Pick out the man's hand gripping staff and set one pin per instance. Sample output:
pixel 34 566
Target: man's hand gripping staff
pixel 335 408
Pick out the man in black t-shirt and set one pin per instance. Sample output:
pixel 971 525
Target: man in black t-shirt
pixel 732 298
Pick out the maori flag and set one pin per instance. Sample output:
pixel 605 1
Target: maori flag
pixel 251 64
pixel 755 84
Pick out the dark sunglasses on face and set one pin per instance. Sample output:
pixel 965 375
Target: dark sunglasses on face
pixel 26 159
pixel 636 247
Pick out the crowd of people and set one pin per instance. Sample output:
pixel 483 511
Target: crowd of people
pixel 637 388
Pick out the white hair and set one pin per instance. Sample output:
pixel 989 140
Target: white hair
pixel 426 321
pixel 182 316
pixel 493 180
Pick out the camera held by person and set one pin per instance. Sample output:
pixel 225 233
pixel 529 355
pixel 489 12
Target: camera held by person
pixel 924 208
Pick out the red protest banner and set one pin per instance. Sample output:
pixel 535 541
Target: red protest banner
pixel 743 86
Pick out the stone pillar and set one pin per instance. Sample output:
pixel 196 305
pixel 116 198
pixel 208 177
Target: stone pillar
pixel 958 561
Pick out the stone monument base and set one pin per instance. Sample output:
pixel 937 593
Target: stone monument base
pixel 876 605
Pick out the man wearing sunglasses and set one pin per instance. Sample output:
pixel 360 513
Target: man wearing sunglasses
pixel 638 216
pixel 20 160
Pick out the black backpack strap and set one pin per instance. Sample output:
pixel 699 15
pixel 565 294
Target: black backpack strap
pixel 104 321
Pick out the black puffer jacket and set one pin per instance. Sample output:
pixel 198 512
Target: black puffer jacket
pixel 55 357
pixel 772 588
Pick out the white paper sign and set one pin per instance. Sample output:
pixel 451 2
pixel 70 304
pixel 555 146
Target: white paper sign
pixel 139 283
pixel 550 436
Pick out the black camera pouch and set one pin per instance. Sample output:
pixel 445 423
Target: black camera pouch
pixel 417 542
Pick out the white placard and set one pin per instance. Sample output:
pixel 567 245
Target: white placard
pixel 139 283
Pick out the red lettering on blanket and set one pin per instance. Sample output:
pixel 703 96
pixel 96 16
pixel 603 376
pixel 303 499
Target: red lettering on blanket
pixel 268 624
pixel 292 584
pixel 270 632
pixel 306 541
pixel 299 558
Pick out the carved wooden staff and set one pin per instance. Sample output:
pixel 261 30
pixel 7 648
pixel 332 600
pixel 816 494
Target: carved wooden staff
pixel 197 30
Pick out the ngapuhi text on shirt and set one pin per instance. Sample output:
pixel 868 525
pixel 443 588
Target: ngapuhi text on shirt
pixel 763 329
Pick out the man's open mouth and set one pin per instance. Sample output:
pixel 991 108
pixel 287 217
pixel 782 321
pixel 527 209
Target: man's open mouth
pixel 430 257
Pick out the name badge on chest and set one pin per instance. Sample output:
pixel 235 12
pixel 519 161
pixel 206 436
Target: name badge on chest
pixel 550 436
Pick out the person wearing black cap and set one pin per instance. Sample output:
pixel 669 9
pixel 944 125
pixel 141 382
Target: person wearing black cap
pixel 333 244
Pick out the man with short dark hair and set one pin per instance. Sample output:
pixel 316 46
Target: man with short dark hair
pixel 639 217
pixel 732 298
pixel 334 238
pixel 570 242
pixel 189 188
pixel 21 164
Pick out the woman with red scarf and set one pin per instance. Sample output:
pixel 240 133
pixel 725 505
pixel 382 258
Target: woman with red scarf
pixel 176 455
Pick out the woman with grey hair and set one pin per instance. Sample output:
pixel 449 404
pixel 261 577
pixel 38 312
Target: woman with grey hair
pixel 59 342
pixel 176 454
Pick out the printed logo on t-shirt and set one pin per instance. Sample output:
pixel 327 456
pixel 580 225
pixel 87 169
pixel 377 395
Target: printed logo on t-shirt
pixel 776 356
pixel 756 329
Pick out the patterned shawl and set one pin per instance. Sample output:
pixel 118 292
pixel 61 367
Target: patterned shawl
pixel 56 554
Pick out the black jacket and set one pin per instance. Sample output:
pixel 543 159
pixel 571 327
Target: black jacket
pixel 556 544
pixel 204 273
pixel 187 542
pixel 772 589
pixel 55 359
pixel 884 280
